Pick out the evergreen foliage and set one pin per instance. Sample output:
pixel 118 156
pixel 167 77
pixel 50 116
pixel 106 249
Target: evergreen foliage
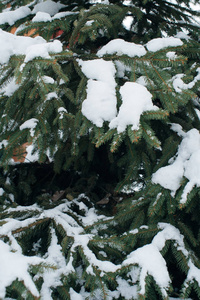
pixel 87 211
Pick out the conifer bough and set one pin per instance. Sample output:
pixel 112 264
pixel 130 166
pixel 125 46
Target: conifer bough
pixel 99 150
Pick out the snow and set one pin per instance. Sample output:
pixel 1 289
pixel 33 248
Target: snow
pixel 169 232
pixel 44 12
pixel 46 17
pixel 141 262
pixel 171 298
pixel 42 50
pixel 125 290
pixel 89 23
pixel 51 95
pixel 30 124
pixel 48 6
pixel 30 47
pixel 1 191
pixel 160 43
pixel 3 143
pixel 100 104
pixel 121 68
pixel 136 99
pixel 197 112
pixel 186 163
pixel 99 70
pixel 15 45
pixel 74 295
pixel 62 111
pixel 54 256
pixel 11 17
pixel 182 35
pixel 179 84
pixel 178 129
pixel 193 273
pixel 42 17
pixel 9 88
pixel 14 265
pixel 30 156
pixel 142 80
pixel 48 79
pixel 100 1
pixel 121 47
pixel 171 55
pixel 176 172
pixel 150 260
pixel 63 14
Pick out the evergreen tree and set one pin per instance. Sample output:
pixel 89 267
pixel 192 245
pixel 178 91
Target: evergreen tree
pixel 99 153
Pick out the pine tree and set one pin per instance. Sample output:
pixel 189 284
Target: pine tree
pixel 99 182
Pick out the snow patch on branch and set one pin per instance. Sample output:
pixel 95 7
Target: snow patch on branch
pixel 11 17
pixel 15 45
pixel 100 104
pixel 30 124
pixel 99 70
pixel 193 273
pixel 54 256
pixel 180 85
pixel 23 45
pixel 150 260
pixel 74 295
pixel 42 50
pixel 141 262
pixel 48 6
pixel 186 163
pixel 45 17
pixel 136 99
pixel 14 265
pixel 10 88
pixel 161 43
pixel 41 17
pixel 101 101
pixel 121 47
pixel 62 111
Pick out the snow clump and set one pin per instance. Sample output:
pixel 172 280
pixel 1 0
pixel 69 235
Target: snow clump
pixel 28 46
pixel 186 163
pixel 11 17
pixel 48 6
pixel 160 43
pixel 121 47
pixel 101 101
pixel 136 99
